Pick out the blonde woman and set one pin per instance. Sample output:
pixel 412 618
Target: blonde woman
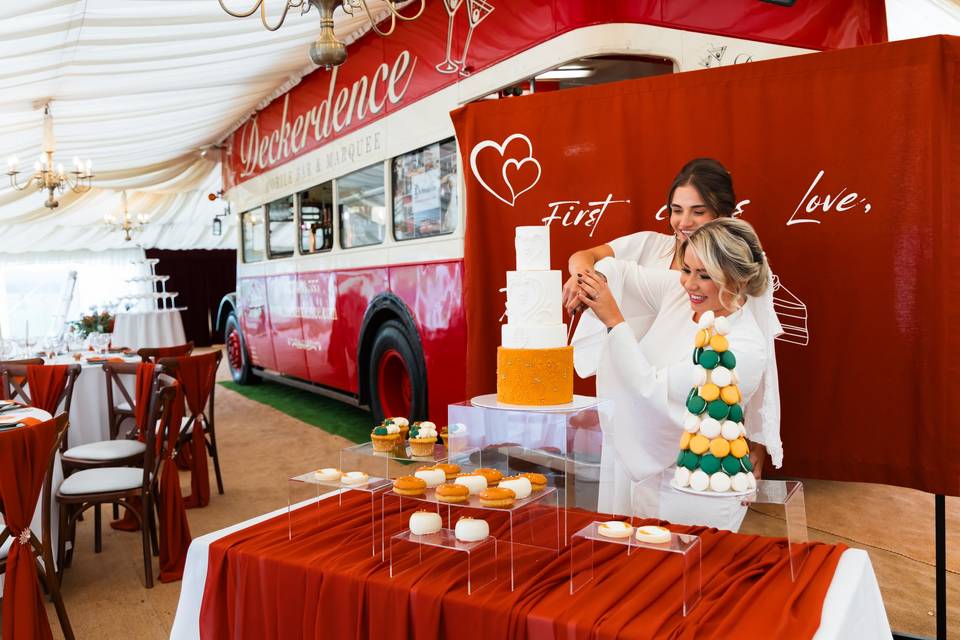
pixel 722 267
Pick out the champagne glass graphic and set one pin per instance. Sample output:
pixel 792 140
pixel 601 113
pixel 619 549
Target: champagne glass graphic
pixel 477 12
pixel 448 65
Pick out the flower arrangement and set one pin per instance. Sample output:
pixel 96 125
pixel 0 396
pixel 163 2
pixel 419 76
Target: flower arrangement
pixel 94 322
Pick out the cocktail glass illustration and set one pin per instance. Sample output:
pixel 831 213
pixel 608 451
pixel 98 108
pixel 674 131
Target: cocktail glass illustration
pixel 448 65
pixel 477 12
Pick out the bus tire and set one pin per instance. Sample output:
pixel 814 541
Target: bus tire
pixel 237 358
pixel 396 380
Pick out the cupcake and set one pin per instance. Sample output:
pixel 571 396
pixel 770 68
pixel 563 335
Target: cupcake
pixel 402 423
pixel 423 437
pixel 385 437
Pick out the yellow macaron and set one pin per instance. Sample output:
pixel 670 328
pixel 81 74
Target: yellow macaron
pixel 703 338
pixel 719 343
pixel 719 447
pixel 699 444
pixel 685 440
pixel 739 448
pixel 729 394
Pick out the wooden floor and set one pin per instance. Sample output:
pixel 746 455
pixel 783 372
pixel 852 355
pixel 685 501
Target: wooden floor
pixel 105 597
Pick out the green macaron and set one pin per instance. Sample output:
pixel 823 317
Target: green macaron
pixel 689 459
pixel 696 404
pixel 696 355
pixel 728 360
pixel 746 464
pixel 709 359
pixel 731 465
pixel 736 413
pixel 709 463
pixel 718 409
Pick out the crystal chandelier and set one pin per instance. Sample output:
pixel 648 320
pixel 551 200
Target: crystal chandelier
pixel 327 51
pixel 49 176
pixel 128 224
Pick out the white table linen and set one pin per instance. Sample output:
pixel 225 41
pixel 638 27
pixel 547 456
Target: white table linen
pixel 145 329
pixel 852 606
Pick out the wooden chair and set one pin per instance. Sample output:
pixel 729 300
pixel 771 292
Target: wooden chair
pixel 153 354
pixel 13 379
pixel 171 366
pixel 121 485
pixel 43 549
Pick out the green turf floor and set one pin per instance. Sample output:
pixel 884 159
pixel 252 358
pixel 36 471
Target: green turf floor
pixel 330 415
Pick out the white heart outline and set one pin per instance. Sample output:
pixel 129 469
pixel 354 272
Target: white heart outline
pixel 501 148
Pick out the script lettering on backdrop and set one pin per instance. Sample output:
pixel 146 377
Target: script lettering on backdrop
pixel 368 95
pixel 840 202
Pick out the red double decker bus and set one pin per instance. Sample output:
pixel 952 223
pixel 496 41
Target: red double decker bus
pixel 351 244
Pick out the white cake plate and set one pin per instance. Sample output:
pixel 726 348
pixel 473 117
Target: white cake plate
pixel 711 494
pixel 489 401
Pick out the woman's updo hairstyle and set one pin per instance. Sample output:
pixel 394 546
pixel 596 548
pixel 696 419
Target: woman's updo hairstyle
pixel 712 181
pixel 731 253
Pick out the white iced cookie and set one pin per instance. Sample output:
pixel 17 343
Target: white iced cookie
pixel 699 376
pixel 432 477
pixel 471 530
pixel 721 376
pixel 400 422
pixel 751 482
pixel 739 482
pixel 520 486
pixel 721 325
pixel 425 522
pixel 652 534
pixel 720 482
pixel 699 480
pixel 354 478
pixel 730 430
pixel 682 476
pixel 614 529
pixel 327 474
pixel 706 320
pixel 691 423
pixel 476 483
pixel 710 428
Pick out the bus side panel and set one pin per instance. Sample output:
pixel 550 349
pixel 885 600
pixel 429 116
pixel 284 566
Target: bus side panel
pixel 255 321
pixel 318 307
pixel 355 290
pixel 287 336
pixel 434 294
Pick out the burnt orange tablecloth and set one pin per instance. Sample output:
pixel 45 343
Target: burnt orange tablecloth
pixel 325 584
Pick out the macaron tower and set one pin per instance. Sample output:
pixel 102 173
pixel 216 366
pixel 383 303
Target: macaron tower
pixel 714 455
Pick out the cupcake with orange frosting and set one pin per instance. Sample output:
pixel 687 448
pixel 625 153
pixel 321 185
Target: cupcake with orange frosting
pixel 423 437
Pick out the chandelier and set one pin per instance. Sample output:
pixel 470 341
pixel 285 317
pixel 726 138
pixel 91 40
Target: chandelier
pixel 327 51
pixel 128 224
pixel 49 176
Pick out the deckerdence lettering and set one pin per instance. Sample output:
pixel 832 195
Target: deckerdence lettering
pixel 368 95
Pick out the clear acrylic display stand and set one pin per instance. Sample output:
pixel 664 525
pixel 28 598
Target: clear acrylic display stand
pixel 656 497
pixel 407 550
pixel 400 461
pixel 531 526
pixel 307 485
pixel 564 443
pixel 583 548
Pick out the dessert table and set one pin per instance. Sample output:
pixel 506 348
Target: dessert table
pixel 144 329
pixel 331 586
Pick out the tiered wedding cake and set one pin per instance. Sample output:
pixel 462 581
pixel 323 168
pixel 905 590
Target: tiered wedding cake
pixel 534 363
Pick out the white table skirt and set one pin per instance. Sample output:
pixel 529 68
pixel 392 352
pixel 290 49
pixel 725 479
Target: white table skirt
pixel 852 607
pixel 145 329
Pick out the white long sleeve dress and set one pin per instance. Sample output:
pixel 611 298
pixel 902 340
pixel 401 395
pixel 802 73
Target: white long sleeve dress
pixel 649 380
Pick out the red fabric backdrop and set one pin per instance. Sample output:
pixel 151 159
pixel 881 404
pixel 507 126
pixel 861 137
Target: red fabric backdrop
pixel 847 165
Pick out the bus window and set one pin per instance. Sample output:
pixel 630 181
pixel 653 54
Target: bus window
pixel 252 235
pixel 316 218
pixel 425 191
pixel 282 230
pixel 363 211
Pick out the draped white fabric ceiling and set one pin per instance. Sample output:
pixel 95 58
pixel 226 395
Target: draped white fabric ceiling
pixel 140 87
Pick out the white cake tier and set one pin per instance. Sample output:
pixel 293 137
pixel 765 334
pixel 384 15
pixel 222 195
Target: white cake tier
pixel 533 248
pixel 534 298
pixel 533 337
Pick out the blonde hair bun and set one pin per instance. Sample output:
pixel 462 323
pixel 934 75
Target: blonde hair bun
pixel 733 256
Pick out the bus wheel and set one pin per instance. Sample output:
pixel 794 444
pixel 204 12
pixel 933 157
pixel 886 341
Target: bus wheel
pixel 236 353
pixel 396 382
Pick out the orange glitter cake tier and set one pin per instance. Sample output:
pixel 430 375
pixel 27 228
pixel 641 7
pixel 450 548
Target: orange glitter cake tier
pixel 535 377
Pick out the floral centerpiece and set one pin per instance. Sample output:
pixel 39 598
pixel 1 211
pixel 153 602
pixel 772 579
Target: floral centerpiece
pixel 95 322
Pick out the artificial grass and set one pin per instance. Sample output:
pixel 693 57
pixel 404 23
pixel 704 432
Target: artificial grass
pixel 325 413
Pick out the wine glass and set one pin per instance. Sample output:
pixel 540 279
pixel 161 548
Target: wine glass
pixel 448 65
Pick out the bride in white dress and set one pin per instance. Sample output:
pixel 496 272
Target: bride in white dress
pixel 723 266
